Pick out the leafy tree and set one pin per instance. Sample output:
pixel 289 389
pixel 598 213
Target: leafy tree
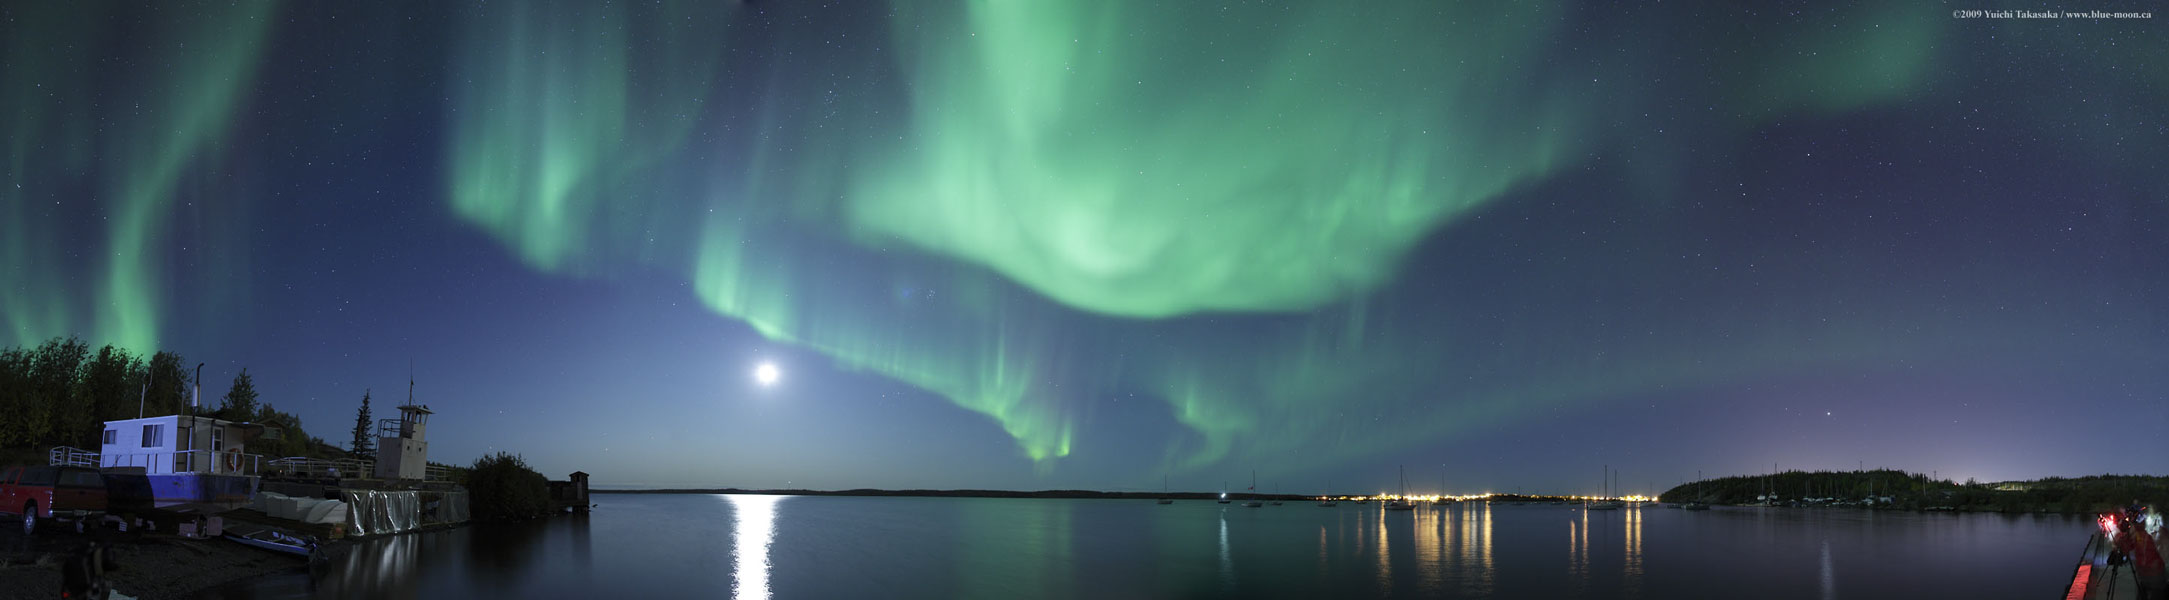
pixel 17 430
pixel 241 399
pixel 109 386
pixel 292 440
pixel 168 386
pixel 502 488
pixel 364 444
pixel 51 390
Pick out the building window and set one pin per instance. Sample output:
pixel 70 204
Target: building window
pixel 150 436
pixel 109 435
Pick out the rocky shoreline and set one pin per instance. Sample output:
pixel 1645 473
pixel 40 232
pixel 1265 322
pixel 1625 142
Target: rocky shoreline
pixel 148 565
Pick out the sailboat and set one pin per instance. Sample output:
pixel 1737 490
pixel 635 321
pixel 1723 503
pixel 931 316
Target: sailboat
pixel 1223 492
pixel 1327 499
pixel 1253 502
pixel 1402 502
pixel 1697 503
pixel 1443 501
pixel 1163 491
pixel 1606 503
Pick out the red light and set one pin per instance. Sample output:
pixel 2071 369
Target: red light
pixel 2079 583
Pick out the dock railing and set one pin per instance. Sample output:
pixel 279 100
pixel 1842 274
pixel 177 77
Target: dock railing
pixel 187 461
pixel 319 468
pixel 69 456
pixel 232 463
pixel 438 473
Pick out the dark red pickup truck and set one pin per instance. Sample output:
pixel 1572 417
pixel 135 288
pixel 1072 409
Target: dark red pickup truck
pixel 35 493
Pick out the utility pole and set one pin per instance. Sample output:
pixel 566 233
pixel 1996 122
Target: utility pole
pixel 149 377
pixel 195 405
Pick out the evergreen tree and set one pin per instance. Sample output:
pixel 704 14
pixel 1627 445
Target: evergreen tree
pixel 364 446
pixel 241 399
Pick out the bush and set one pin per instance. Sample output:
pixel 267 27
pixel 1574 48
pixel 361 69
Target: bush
pixel 502 488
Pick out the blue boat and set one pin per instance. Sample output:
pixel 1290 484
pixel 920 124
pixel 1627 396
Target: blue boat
pixel 273 540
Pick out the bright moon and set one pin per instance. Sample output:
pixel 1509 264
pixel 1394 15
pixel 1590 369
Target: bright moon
pixel 767 374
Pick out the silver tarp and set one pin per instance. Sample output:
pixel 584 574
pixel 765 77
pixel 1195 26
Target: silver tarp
pixel 378 512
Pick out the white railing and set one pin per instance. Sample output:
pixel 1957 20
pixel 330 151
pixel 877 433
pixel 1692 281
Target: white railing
pixel 318 468
pixel 230 463
pixel 67 456
pixel 187 461
pixel 437 473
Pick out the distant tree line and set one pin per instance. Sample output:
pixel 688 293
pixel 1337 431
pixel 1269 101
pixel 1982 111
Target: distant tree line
pixel 1917 491
pixel 61 393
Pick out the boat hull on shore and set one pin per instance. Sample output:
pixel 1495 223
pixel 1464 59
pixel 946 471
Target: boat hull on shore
pixel 273 540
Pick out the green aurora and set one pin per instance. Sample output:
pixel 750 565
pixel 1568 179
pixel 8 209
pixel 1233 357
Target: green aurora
pixel 1020 205
pixel 1117 167
pixel 144 169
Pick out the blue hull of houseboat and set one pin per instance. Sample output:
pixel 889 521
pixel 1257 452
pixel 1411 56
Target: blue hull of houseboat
pixel 130 490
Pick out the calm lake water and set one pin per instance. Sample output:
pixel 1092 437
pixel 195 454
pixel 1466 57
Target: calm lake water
pixel 839 547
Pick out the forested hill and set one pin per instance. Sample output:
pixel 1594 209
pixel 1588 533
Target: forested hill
pixel 1900 489
pixel 61 393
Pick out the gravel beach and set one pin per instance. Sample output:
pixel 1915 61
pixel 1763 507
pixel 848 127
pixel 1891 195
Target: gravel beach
pixel 148 565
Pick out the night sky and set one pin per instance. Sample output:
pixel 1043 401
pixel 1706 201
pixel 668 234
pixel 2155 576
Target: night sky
pixel 1033 245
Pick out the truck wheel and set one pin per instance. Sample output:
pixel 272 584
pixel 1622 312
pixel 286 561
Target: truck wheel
pixel 30 517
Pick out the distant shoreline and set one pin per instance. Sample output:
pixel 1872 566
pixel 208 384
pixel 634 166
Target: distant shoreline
pixel 1075 494
pixel 1246 496
pixel 1066 494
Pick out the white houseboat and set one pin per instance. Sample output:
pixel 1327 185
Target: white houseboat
pixel 181 459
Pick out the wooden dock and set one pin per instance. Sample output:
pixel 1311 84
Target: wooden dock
pixel 2095 579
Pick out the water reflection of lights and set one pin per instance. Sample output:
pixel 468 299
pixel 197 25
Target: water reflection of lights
pixel 1321 551
pixel 1475 556
pixel 1430 544
pixel 753 528
pixel 1830 576
pixel 1227 565
pixel 1385 556
pixel 1633 570
pixel 1578 548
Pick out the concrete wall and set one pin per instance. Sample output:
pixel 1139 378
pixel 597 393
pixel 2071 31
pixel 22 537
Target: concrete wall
pixel 402 458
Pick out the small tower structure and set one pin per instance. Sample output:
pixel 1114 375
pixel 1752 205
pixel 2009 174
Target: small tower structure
pixel 402 450
pixel 579 491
